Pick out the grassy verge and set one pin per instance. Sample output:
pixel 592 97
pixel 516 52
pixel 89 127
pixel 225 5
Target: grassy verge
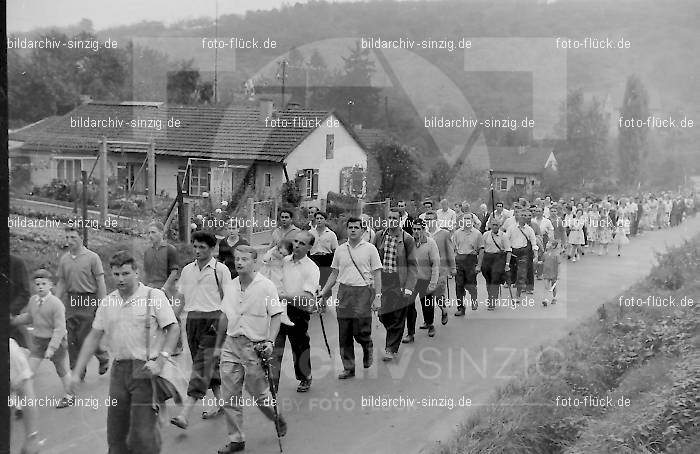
pixel 642 361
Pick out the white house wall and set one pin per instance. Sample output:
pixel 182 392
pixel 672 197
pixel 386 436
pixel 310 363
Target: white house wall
pixel 311 154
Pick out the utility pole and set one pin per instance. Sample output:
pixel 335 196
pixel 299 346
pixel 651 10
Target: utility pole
pixel 283 75
pixel 216 53
pixel 104 175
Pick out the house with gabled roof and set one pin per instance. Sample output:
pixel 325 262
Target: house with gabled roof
pixel 520 167
pixel 215 150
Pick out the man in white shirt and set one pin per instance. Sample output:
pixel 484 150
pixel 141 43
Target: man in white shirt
pixel 123 320
pixel 250 321
pixel 200 291
pixel 522 240
pixel 446 216
pixel 358 269
pixel 300 282
pixel 546 233
pixel 324 245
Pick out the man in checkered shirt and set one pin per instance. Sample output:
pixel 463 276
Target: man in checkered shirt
pixel 399 275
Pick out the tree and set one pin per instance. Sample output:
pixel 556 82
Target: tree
pixel 584 157
pixel 632 137
pixel 398 171
pixel 182 84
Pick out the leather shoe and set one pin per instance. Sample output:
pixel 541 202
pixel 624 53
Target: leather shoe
pixel 232 446
pixel 304 386
pixel 459 313
pixel 424 326
pixel 408 339
pixel 431 331
pixel 443 318
pixel 346 374
pixel 389 356
pixel 104 367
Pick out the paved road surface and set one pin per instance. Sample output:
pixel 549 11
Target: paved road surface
pixel 466 359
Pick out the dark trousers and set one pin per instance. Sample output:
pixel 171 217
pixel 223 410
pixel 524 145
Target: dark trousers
pixel 299 340
pixel 323 261
pixel 78 324
pixel 493 269
pixel 132 424
pixel 201 338
pixel 522 257
pixel 354 323
pixel 426 304
pixel 465 278
pixel 530 270
pixel 394 310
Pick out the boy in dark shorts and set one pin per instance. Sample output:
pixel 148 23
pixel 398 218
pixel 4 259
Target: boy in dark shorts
pixel 47 315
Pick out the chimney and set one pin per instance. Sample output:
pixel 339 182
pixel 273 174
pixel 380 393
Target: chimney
pixel 293 106
pixel 265 109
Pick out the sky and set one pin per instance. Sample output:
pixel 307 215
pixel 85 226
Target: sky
pixel 25 15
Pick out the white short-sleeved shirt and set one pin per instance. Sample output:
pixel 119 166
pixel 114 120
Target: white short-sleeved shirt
pixel 199 286
pixel 249 312
pixel 124 322
pixel 325 242
pixel 367 259
pixel 300 276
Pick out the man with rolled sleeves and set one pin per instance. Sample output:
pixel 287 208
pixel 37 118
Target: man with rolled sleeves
pixel 496 261
pixel 250 321
pixel 399 277
pixel 448 268
pixel 469 247
pixel 200 292
pixel 300 277
pixel 122 318
pixel 81 285
pixel 524 248
pixel 357 268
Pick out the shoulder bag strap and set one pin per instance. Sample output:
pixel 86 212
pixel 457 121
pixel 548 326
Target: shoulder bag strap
pixel 529 243
pixel 493 240
pixel 356 267
pixel 218 284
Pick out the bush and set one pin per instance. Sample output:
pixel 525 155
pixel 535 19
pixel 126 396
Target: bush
pixel 339 204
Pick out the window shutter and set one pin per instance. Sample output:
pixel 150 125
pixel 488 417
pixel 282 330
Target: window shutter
pixel 314 184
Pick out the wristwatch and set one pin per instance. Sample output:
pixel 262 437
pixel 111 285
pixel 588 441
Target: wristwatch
pixel 165 354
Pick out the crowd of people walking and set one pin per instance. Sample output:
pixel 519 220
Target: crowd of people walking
pixel 241 311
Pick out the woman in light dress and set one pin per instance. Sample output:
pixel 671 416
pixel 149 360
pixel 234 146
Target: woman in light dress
pixel 576 239
pixel 605 229
pixel 593 226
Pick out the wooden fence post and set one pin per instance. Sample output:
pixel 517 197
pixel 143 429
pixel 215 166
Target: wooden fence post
pixel 104 191
pixel 84 176
pixel 151 175
pixel 250 207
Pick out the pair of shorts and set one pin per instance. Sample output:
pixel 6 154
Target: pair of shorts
pixel 59 358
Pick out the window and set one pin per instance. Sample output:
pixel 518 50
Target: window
pixel 330 145
pixel 199 180
pixel 132 177
pixel 268 180
pixel 68 169
pixel 504 184
pixel 519 181
pixel 311 182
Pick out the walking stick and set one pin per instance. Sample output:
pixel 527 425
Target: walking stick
pixel 265 364
pixel 323 330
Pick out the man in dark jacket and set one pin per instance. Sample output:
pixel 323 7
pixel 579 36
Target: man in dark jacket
pixel 399 276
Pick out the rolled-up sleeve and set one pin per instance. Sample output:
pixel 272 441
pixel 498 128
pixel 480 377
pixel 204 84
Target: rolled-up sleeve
pixel 162 310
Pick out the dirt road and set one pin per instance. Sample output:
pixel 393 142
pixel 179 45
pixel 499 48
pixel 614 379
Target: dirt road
pixel 448 375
